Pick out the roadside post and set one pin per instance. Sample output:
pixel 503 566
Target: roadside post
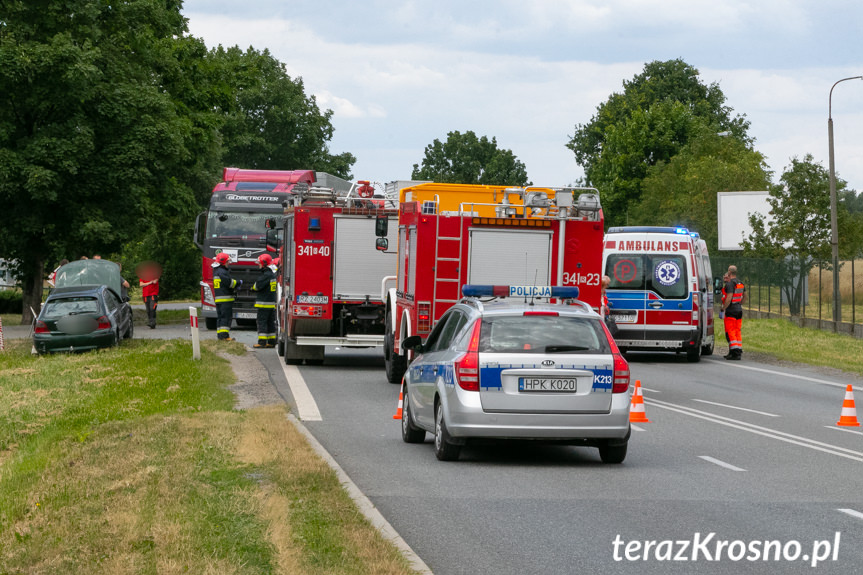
pixel 196 336
pixel 1 336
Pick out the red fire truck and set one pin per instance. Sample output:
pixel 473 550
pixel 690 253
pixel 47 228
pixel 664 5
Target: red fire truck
pixel 456 234
pixel 235 223
pixel 332 277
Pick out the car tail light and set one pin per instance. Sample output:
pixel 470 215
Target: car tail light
pixel 620 383
pixel 41 327
pixel 103 323
pixel 467 367
pixel 423 317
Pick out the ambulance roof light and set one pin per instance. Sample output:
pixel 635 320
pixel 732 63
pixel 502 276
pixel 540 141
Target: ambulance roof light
pixel 681 231
pixel 695 235
pixel 476 290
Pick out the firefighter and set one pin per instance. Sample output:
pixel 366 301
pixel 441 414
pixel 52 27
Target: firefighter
pixel 732 309
pixel 265 302
pixel 224 286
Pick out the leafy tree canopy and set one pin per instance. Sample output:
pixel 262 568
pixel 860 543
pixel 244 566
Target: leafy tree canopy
pixel 466 159
pixel 658 113
pixel 683 190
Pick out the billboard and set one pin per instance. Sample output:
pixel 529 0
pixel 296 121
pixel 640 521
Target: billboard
pixel 734 209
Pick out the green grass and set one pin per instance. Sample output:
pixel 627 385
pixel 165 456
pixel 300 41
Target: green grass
pixel 133 460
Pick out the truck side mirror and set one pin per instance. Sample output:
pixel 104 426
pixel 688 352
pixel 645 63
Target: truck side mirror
pixel 381 227
pixel 381 244
pixel 271 224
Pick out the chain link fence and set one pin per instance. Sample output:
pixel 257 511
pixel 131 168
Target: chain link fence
pixel 800 290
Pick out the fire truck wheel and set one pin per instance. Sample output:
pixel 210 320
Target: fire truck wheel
pixel 280 347
pixel 443 449
pixel 395 364
pixel 410 432
pixel 211 323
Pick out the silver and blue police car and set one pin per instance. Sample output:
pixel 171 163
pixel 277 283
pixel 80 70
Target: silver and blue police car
pixel 505 363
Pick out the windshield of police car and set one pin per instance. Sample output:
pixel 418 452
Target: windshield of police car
pixel 542 334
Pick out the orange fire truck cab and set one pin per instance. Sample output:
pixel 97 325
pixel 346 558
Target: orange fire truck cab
pixel 450 235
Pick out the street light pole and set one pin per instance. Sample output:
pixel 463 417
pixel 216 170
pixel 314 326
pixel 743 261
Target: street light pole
pixel 834 228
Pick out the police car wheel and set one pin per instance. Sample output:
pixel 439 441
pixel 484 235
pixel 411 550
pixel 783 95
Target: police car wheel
pixel 410 432
pixel 443 449
pixel 613 453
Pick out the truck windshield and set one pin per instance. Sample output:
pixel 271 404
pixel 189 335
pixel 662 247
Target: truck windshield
pixel 237 224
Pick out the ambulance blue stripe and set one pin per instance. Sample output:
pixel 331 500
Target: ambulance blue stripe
pixel 636 300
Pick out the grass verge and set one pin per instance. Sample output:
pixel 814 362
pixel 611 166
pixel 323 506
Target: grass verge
pixel 133 460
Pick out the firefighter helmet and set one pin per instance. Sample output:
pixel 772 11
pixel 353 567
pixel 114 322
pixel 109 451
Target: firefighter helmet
pixel 222 258
pixel 265 259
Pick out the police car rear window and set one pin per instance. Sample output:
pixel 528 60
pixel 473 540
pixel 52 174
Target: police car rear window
pixel 542 334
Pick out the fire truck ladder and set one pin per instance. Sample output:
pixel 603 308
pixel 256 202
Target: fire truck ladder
pixel 438 279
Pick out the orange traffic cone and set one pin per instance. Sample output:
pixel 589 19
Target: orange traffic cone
pixel 848 418
pixel 398 414
pixel 636 410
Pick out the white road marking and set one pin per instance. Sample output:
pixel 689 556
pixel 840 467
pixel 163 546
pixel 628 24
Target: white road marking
pixel 763 431
pixel 795 376
pixel 306 406
pixel 852 513
pixel 735 407
pixel 636 428
pixel 844 429
pixel 650 390
pixel 721 463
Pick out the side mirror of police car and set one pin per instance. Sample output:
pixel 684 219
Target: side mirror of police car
pixel 381 244
pixel 381 226
pixel 413 343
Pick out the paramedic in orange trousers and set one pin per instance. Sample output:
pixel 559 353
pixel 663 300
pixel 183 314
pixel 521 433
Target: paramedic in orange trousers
pixel 732 310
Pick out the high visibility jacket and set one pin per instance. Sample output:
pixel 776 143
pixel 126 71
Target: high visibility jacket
pixel 265 286
pixel 223 284
pixel 734 289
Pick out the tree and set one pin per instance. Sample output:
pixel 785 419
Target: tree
pixel 466 159
pixel 658 113
pixel 87 129
pixel 800 231
pixel 683 190
pixel 270 123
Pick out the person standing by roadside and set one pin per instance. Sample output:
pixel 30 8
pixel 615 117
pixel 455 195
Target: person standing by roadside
pixel 224 286
pixel 732 309
pixel 265 302
pixel 150 294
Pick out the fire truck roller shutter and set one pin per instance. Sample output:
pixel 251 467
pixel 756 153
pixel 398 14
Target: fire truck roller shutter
pixel 359 267
pixel 509 257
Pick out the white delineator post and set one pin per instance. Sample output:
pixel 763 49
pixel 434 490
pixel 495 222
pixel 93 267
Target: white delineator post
pixel 2 347
pixel 196 336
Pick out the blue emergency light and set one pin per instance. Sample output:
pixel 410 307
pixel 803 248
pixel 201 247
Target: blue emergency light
pixel 563 292
pixel 681 231
pixel 314 224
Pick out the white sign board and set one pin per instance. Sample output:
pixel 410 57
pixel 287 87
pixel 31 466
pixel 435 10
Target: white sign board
pixel 734 209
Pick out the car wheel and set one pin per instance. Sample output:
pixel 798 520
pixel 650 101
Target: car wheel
pixel 395 364
pixel 130 333
pixel 410 432
pixel 443 449
pixel 693 354
pixel 613 453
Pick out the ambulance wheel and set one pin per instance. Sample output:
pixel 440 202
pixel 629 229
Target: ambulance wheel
pixel 211 323
pixel 443 449
pixel 613 453
pixel 693 354
pixel 410 432
pixel 707 349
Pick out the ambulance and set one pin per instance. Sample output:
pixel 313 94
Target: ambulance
pixel 661 291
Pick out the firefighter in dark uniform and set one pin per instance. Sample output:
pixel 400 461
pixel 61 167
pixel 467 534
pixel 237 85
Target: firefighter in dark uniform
pixel 732 309
pixel 224 287
pixel 265 302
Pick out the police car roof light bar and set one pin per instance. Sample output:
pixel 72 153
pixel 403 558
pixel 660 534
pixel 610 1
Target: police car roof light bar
pixel 477 290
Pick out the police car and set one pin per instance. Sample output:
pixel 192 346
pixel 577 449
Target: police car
pixel 517 362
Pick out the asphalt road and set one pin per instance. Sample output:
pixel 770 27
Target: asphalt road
pixel 741 453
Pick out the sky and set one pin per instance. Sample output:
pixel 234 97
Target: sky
pixel 400 74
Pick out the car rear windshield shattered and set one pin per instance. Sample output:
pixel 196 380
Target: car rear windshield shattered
pixel 70 306
pixel 542 334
